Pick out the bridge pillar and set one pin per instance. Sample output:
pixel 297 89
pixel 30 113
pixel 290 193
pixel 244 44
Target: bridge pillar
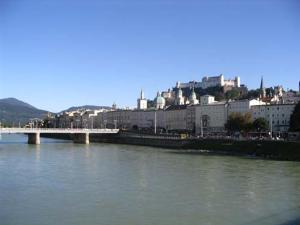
pixel 83 138
pixel 34 138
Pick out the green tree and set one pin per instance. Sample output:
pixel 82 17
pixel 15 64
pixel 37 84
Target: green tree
pixel 295 119
pixel 260 124
pixel 239 122
pixel 252 94
pixel 233 94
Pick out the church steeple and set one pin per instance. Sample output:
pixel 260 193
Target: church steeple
pixel 142 102
pixel 262 90
pixel 142 94
pixel 193 97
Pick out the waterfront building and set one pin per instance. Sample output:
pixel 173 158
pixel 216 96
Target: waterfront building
pixel 142 102
pixel 211 117
pixel 131 119
pixel 190 118
pixel 278 115
pixel 88 118
pixel 117 119
pixel 243 106
pixel 175 117
pixel 147 119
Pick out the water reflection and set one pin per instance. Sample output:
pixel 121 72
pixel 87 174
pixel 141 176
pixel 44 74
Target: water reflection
pixel 66 183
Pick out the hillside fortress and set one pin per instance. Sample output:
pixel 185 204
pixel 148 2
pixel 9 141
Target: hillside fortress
pixel 218 81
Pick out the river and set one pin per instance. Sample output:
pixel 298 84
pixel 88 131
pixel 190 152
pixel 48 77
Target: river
pixel 59 182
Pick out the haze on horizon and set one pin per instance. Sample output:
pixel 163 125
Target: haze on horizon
pixel 61 53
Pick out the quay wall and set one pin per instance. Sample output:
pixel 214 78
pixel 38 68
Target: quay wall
pixel 279 150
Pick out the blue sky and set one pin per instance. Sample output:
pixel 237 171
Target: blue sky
pixel 59 53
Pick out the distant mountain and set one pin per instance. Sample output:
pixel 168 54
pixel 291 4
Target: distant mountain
pixel 92 107
pixel 13 111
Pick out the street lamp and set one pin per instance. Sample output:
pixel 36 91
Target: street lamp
pixel 155 122
pixel 115 122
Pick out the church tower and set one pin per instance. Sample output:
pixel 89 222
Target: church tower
pixel 179 98
pixel 262 90
pixel 193 98
pixel 142 102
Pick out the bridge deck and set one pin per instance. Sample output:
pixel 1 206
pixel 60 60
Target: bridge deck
pixel 56 131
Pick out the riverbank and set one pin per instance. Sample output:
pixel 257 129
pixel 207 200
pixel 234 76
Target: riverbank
pixel 279 150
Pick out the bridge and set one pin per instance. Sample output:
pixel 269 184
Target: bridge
pixel 79 135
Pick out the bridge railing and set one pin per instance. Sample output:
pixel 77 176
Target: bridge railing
pixel 56 130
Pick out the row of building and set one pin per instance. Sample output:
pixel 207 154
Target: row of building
pixel 186 113
pixel 208 116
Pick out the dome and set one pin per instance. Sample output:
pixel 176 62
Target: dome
pixel 160 101
pixel 193 95
pixel 179 94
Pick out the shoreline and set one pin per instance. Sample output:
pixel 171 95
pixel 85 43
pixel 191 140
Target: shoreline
pixel 276 150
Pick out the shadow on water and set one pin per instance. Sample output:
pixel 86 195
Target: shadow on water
pixel 293 222
pixel 225 154
pixel 287 217
pixel 212 153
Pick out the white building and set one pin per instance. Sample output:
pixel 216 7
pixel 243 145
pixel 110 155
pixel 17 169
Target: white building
pixel 278 115
pixel 179 100
pixel 215 114
pixel 160 101
pixel 207 99
pixel 211 82
pixel 147 119
pixel 243 106
pixel 211 117
pixel 142 102
pixel 131 119
pixel 88 118
pixel 175 117
pixel 193 98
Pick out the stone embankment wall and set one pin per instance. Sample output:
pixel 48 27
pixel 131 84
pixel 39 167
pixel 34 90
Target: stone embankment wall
pixel 280 150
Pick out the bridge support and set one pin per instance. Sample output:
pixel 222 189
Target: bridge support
pixel 83 138
pixel 34 138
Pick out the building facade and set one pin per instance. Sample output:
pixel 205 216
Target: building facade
pixel 278 116
pixel 207 82
pixel 142 101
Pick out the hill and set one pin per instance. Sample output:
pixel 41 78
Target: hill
pixel 14 111
pixel 92 107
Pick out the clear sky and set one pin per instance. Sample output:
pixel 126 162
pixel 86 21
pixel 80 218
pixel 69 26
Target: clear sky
pixel 59 53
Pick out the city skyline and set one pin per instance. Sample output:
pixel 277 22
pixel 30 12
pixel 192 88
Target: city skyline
pixel 60 53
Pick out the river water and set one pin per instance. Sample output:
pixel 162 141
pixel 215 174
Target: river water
pixel 60 182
